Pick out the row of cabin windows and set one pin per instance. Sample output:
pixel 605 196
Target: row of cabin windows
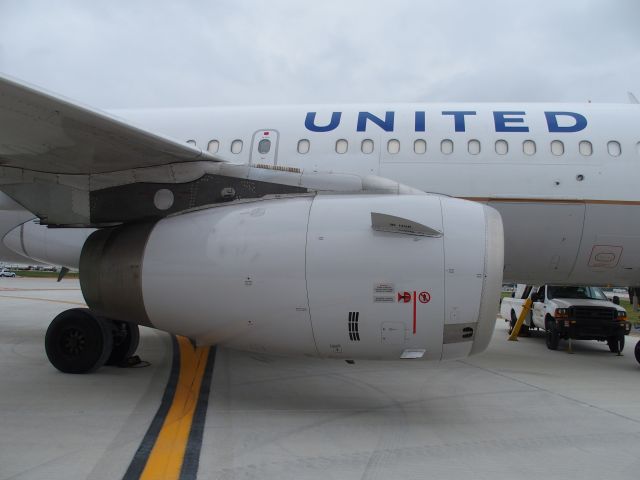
pixel 236 146
pixel 501 147
pixel 420 147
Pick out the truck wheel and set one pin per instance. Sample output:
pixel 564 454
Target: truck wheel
pixel 513 321
pixel 553 335
pixel 616 344
pixel 637 351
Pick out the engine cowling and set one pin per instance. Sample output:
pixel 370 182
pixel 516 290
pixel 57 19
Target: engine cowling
pixel 55 246
pixel 309 275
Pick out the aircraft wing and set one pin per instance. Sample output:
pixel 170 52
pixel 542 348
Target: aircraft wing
pixel 75 166
pixel 42 132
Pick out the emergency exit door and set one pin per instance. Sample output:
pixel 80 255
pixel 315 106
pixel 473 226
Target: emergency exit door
pixel 264 149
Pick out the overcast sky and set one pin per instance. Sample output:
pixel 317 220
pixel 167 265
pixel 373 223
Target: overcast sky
pixel 153 53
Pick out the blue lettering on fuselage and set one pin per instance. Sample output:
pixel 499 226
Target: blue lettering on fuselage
pixel 503 121
pixel 459 119
pixel 310 122
pixel 386 124
pixel 580 122
pixel 421 125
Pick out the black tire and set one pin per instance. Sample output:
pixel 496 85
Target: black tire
pixel 553 335
pixel 637 352
pixel 78 342
pixel 616 344
pixel 126 338
pixel 513 321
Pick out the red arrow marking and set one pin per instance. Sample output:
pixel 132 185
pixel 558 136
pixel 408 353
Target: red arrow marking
pixel 414 312
pixel 404 297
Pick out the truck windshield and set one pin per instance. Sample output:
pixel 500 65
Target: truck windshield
pixel 589 293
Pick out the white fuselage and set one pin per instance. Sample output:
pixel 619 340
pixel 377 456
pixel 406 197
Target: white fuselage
pixel 563 177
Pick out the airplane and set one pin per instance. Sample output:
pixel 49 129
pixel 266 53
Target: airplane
pixel 352 232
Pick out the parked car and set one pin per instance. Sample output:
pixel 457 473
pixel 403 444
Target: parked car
pixel 6 273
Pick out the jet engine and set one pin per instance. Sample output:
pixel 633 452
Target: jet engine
pixel 339 276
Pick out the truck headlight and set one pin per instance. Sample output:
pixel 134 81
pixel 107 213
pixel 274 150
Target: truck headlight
pixel 621 315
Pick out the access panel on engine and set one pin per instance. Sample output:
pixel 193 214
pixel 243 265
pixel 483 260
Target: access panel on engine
pixel 374 294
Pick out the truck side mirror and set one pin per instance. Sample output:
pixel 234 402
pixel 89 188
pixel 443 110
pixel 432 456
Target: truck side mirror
pixel 616 300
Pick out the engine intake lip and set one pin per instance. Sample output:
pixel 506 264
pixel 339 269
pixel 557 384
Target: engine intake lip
pixel 111 272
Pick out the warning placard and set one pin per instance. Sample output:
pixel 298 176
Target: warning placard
pixel 384 293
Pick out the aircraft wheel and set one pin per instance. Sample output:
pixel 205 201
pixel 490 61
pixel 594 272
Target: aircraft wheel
pixel 126 338
pixel 78 342
pixel 637 351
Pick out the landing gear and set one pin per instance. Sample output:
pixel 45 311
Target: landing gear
pixel 126 337
pixel 77 341
pixel 637 352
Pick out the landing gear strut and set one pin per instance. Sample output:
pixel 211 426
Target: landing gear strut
pixel 78 341
pixel 126 337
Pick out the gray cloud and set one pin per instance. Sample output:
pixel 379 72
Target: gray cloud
pixel 163 53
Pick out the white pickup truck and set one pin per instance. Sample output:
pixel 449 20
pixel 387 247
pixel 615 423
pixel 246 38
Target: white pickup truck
pixel 563 312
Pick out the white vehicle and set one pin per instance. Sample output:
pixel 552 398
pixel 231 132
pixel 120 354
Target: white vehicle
pixel 6 273
pixel 511 307
pixel 563 312
pixel 309 230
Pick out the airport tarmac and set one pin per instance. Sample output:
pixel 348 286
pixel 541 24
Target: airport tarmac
pixel 516 411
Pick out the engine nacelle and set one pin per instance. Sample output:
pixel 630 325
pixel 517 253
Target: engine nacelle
pixel 342 276
pixel 55 246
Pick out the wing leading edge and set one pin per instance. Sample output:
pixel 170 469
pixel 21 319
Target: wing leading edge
pixel 45 133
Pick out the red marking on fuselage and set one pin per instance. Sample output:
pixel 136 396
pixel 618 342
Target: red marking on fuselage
pixel 414 312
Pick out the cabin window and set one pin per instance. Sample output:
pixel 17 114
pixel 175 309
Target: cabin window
pixel 342 146
pixel 420 147
pixel 393 146
pixel 264 146
pixel 557 148
pixel 585 148
pixel 502 147
pixel 614 149
pixel 191 142
pixel 304 146
pixel 367 146
pixel 529 147
pixel 473 147
pixel 213 146
pixel 236 146
pixel 446 146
